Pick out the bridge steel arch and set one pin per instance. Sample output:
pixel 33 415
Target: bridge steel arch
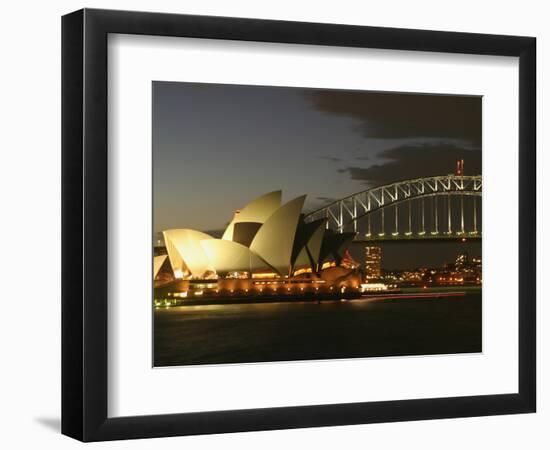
pixel 346 211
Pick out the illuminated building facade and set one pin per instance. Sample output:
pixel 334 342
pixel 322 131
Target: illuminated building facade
pixel 373 263
pixel 267 246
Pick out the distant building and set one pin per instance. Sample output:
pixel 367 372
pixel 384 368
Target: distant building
pixel 462 260
pixel 158 240
pixel 373 263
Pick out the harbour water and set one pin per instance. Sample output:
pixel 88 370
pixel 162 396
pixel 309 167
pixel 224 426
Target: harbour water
pixel 289 331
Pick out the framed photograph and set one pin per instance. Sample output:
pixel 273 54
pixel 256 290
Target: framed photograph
pixel 273 224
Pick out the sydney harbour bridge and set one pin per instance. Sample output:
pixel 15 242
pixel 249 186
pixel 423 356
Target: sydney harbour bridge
pixel 438 207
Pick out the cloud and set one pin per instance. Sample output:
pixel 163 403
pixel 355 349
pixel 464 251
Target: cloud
pixel 399 115
pixel 413 161
pixel 330 158
pixel 325 199
pixel 315 203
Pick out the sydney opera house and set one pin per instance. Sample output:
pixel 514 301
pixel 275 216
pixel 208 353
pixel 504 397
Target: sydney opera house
pixel 267 249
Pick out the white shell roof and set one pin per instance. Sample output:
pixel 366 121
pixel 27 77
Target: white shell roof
pixel 275 239
pixel 258 210
pixel 185 250
pixel 157 264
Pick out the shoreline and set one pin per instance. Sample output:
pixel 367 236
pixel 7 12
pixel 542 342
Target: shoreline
pixel 403 294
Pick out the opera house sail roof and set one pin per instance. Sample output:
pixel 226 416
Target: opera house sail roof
pixel 263 237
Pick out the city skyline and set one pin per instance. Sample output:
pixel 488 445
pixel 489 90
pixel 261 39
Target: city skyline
pixel 465 269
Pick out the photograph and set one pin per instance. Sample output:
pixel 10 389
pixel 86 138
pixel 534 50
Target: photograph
pixel 297 224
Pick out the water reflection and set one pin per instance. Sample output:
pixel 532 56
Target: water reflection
pixel 212 334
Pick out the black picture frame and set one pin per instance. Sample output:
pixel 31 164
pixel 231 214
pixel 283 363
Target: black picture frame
pixel 84 224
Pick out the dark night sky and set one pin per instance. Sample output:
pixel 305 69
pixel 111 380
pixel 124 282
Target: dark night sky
pixel 217 147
